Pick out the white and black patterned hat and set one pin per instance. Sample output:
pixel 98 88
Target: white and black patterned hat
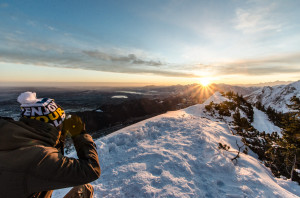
pixel 42 109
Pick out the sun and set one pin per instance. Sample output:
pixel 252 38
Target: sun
pixel 204 82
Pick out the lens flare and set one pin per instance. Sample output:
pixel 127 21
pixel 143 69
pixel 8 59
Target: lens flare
pixel 204 82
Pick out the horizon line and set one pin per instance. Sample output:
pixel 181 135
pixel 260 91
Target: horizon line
pixel 121 84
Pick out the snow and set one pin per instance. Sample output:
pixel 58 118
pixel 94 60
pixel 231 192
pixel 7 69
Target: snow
pixel 176 155
pixel 262 123
pixel 277 97
pixel 216 98
pixel 296 85
pixel 119 96
pixel 131 92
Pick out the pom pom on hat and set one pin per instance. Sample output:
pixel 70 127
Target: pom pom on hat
pixel 27 98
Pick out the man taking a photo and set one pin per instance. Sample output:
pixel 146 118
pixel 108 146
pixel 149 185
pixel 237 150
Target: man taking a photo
pixel 32 163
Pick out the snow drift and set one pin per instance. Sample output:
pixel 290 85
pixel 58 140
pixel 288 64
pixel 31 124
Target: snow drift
pixel 176 155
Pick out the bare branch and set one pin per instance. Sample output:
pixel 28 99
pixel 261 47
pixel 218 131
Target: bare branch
pixel 238 154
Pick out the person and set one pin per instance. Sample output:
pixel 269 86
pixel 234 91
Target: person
pixel 31 159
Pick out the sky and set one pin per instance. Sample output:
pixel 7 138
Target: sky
pixel 149 42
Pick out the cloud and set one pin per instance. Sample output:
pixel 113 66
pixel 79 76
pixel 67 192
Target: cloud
pixel 15 48
pixel 51 55
pixel 257 18
pixel 50 27
pixel 130 58
pixel 4 5
pixel 135 62
pixel 289 63
pixel 31 23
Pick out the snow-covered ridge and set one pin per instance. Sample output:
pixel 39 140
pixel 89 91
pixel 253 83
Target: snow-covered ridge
pixel 216 98
pixel 276 97
pixel 176 155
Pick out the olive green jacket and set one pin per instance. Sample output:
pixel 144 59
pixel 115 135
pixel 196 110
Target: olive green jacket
pixel 31 166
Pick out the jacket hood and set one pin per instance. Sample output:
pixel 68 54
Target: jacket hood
pixel 25 133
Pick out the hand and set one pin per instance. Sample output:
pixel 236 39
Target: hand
pixel 73 125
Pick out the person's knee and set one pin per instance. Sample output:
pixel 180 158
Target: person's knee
pixel 87 191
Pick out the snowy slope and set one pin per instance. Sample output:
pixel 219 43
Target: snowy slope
pixel 276 97
pixel 176 155
pixel 262 123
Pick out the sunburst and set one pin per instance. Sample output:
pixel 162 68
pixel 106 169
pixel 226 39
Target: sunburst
pixel 204 82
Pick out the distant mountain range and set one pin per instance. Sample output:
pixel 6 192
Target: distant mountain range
pixel 237 89
pixel 277 97
pixel 266 84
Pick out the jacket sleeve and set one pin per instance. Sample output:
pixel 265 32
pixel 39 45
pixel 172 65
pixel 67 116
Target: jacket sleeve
pixel 54 171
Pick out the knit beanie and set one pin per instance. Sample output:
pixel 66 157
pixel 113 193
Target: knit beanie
pixel 42 109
